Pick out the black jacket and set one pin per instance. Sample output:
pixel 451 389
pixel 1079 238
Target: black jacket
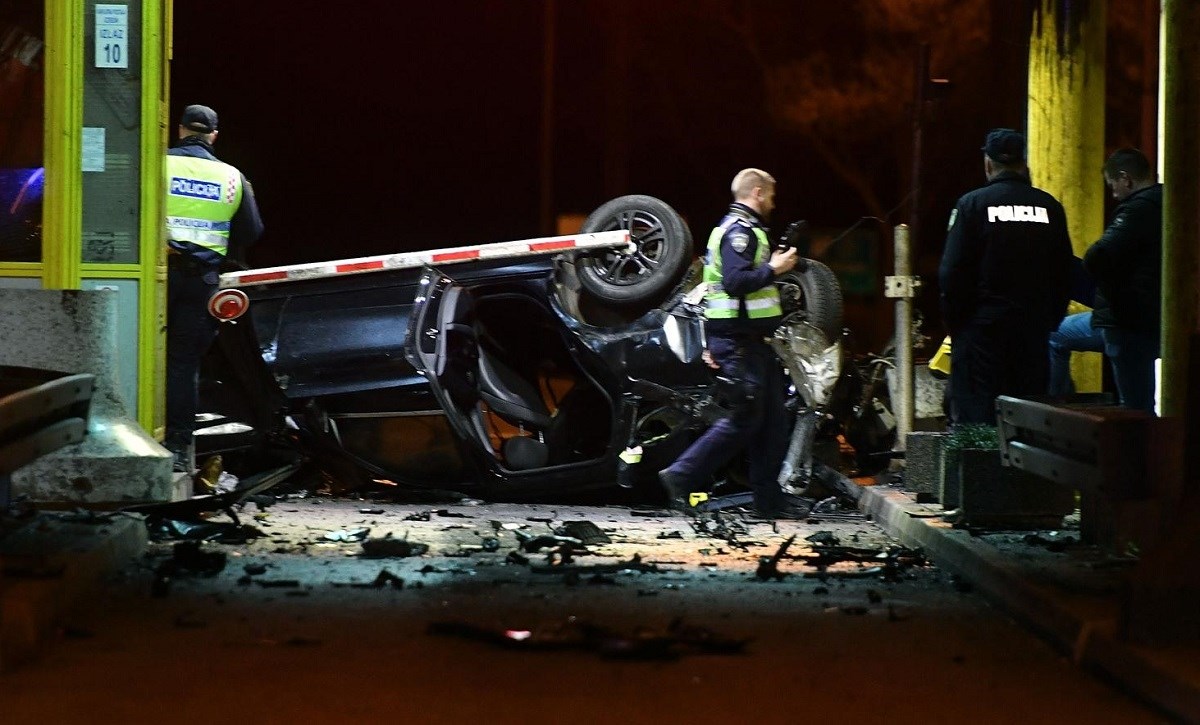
pixel 1007 257
pixel 246 225
pixel 1127 264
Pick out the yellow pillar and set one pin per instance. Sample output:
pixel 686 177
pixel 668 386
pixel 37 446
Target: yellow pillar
pixel 1066 128
pixel 62 208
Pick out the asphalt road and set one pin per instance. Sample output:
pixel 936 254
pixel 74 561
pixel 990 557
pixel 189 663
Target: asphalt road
pixel 291 631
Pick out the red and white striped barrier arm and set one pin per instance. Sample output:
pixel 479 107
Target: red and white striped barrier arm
pixel 437 257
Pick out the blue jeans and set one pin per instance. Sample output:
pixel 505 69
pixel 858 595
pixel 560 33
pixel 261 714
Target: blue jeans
pixel 1075 334
pixel 1132 354
pixel 760 427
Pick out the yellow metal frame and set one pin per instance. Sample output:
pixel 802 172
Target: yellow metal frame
pixel 62 207
pixel 62 265
pixel 152 270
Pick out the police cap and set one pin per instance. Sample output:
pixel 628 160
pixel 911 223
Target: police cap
pixel 1004 145
pixel 199 118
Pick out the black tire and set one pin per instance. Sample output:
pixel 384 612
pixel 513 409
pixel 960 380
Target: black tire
pixel 644 276
pixel 817 294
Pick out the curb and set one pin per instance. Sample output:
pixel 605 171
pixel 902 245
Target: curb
pixel 63 561
pixel 1091 641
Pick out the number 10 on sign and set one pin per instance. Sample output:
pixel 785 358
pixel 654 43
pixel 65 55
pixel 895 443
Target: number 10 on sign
pixel 112 36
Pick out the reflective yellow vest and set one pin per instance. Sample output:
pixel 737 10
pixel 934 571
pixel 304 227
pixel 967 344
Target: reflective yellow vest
pixel 718 305
pixel 202 196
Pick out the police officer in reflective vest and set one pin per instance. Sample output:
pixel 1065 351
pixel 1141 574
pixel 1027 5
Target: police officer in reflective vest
pixel 1005 280
pixel 742 309
pixel 210 211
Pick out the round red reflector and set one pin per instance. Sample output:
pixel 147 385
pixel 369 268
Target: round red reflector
pixel 228 304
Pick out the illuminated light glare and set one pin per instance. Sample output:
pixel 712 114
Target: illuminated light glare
pixel 519 635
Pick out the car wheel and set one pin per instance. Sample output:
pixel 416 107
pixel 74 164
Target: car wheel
pixel 816 293
pixel 662 251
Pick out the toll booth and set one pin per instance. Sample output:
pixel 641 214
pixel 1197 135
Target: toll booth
pixel 83 129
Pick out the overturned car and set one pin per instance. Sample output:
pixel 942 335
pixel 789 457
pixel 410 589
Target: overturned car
pixel 508 369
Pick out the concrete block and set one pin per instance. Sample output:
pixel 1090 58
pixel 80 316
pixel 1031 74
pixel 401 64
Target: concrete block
pixel 75 331
pixel 924 452
pixel 997 495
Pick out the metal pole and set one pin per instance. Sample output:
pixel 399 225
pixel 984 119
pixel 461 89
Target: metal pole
pixel 903 287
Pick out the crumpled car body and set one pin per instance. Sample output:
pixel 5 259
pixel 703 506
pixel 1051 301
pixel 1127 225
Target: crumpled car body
pixel 498 375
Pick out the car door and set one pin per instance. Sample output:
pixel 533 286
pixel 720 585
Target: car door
pixel 441 344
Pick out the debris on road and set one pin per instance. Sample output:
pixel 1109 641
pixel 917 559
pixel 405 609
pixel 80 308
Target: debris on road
pixel 585 531
pixel 644 643
pixel 389 546
pixel 344 535
pixel 768 566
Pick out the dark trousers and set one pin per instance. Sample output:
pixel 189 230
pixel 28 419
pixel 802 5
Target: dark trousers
pixel 995 358
pixel 190 330
pixel 760 427
pixel 1132 354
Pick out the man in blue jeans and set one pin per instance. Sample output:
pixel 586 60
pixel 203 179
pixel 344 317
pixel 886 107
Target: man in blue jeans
pixel 1074 334
pixel 1126 263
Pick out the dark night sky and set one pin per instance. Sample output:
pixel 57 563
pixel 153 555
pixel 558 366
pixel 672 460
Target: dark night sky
pixel 369 127
pixel 375 126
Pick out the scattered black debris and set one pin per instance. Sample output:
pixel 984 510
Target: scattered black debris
pixel 278 583
pixel 490 543
pixel 820 591
pixel 532 544
pixel 371 511
pixel 670 535
pixel 431 569
pixel 447 513
pixel 823 538
pixel 359 534
pixel 1052 541
pixel 768 566
pixel 888 564
pixel 586 531
pixel 874 597
pixel 383 579
pixel 647 513
pixel 516 557
pixel 255 569
pixel 224 532
pixel 262 500
pixel 388 546
pixel 642 644
pixel 724 526
pixel 540 519
pixel 418 516
pixel 190 556
pixel 635 563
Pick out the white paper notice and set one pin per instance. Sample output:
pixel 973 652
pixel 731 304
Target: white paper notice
pixel 93 148
pixel 112 36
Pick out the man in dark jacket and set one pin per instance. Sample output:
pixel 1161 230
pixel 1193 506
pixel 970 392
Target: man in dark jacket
pixel 1126 264
pixel 211 214
pixel 1005 281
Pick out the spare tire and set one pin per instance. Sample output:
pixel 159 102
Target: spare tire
pixel 816 294
pixel 662 252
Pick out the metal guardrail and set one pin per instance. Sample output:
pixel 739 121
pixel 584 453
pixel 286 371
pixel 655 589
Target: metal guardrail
pixel 1102 451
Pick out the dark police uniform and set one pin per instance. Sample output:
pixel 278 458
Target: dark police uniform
pixel 742 308
pixel 1005 281
pixel 192 276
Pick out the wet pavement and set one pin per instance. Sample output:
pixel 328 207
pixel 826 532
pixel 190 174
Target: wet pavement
pixel 671 620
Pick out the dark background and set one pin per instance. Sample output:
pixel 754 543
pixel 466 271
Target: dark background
pixel 373 127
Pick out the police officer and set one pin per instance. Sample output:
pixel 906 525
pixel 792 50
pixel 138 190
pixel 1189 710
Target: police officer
pixel 742 308
pixel 1005 281
pixel 210 211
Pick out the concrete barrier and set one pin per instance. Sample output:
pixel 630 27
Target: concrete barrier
pixel 75 331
